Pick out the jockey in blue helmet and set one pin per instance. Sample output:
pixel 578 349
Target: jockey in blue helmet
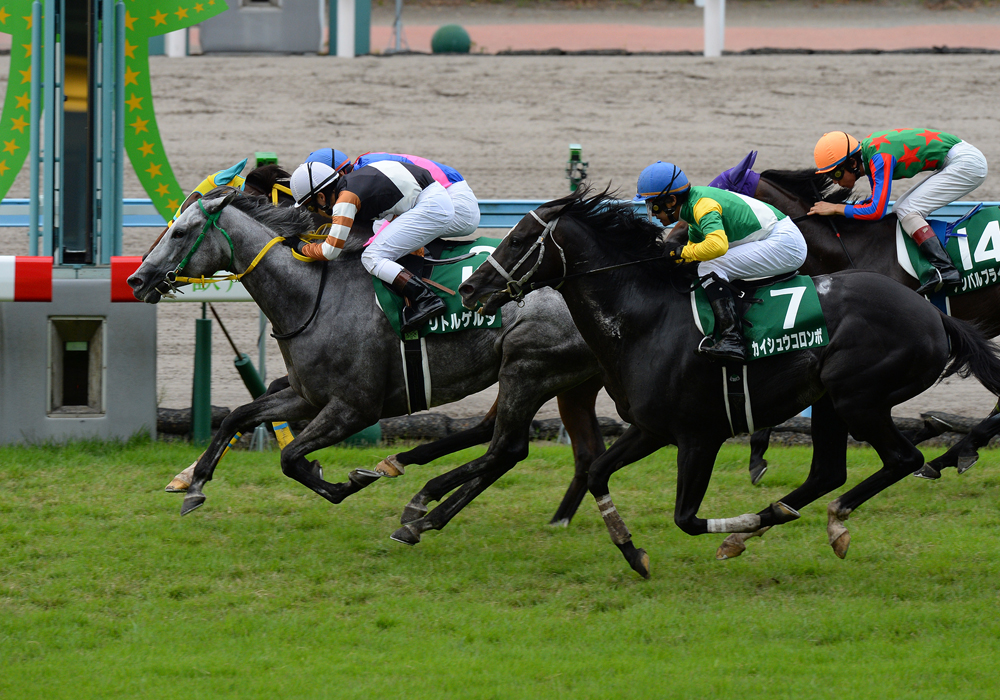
pixel 730 236
pixel 337 160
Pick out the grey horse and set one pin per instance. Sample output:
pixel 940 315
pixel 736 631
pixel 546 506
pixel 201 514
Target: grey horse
pixel 344 366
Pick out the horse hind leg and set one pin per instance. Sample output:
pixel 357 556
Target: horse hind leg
pixel 965 453
pixel 758 446
pixel 576 408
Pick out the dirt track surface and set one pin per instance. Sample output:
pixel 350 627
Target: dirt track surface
pixel 506 122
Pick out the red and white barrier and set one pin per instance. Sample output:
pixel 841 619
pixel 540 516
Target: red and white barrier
pixel 25 278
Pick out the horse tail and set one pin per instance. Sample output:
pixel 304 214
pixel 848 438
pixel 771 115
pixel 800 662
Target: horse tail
pixel 972 353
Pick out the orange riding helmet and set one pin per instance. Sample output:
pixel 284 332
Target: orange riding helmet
pixel 833 149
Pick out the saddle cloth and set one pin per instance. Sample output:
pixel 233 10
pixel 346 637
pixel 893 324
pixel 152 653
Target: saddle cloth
pixel 788 317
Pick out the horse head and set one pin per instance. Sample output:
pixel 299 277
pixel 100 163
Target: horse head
pixel 189 245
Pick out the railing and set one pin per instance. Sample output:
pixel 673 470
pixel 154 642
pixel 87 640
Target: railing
pixel 495 213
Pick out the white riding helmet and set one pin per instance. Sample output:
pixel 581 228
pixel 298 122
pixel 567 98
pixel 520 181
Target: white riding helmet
pixel 309 179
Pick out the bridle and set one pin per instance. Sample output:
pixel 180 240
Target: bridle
pixel 516 288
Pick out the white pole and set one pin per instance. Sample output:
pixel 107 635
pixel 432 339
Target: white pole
pixel 715 27
pixel 175 43
pixel 345 28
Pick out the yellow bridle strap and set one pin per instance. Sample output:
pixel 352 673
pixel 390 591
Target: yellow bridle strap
pixel 208 280
pixel 275 189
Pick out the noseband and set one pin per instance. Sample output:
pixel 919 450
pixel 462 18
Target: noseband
pixel 516 288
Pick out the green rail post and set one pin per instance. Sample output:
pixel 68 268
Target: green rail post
pixel 201 396
pixel 576 169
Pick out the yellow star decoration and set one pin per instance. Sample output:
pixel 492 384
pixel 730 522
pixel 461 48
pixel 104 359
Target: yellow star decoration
pixel 159 18
pixel 199 7
pixel 25 76
pixel 130 50
pixel 139 125
pixel 129 21
pixel 10 146
pixel 3 167
pixel 146 148
pixel 19 124
pixel 130 76
pixel 134 103
pixel 27 50
pixel 23 101
pixel 28 20
pixel 154 170
pixel 181 13
pixel 163 189
pixel 173 204
pixel 4 15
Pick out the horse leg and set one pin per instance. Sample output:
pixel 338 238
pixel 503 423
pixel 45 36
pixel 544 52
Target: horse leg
pixel 899 459
pixel 759 442
pixel 633 445
pixel 411 531
pixel 827 472
pixel 964 453
pixel 284 405
pixel 576 408
pixel 394 465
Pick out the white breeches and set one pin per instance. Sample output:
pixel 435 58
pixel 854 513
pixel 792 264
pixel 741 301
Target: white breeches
pixel 784 250
pixel 466 219
pixel 964 170
pixel 428 219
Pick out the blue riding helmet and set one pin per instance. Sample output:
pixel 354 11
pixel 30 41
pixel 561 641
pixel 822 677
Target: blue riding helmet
pixel 329 156
pixel 659 180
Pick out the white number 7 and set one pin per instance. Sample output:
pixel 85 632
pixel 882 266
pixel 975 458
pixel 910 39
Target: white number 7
pixel 793 304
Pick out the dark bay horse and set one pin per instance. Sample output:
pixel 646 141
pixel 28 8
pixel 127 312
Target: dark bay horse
pixel 871 245
pixel 345 370
pixel 642 331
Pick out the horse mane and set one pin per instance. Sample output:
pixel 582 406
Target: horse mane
pixel 613 218
pixel 805 183
pixel 264 178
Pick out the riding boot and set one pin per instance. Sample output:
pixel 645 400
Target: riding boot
pixel 944 273
pixel 730 345
pixel 424 304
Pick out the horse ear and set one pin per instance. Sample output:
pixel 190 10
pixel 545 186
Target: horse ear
pixel 217 204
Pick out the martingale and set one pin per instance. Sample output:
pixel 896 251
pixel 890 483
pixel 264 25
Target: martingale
pixel 788 318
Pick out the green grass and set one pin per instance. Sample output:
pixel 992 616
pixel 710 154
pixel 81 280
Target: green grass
pixel 268 591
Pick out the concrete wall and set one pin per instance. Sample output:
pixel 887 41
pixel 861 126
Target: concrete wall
pixel 292 27
pixel 128 385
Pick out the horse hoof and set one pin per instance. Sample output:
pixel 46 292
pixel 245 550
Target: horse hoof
pixel 390 467
pixel 730 548
pixel 640 563
pixel 927 472
pixel 192 502
pixel 966 462
pixel 561 522
pixel 841 544
pixel 177 486
pixel 757 473
pixel 316 469
pixel 412 511
pixel 406 535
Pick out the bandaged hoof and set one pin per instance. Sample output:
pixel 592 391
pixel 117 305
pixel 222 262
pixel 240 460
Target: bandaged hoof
pixel 966 462
pixel 390 466
pixel 841 544
pixel 412 511
pixel 191 502
pixel 180 483
pixel 758 471
pixel 406 535
pixel 927 472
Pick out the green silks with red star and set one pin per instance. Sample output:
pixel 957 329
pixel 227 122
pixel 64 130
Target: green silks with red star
pixel 915 150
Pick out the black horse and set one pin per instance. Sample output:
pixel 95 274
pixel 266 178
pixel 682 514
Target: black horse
pixel 840 243
pixel 887 344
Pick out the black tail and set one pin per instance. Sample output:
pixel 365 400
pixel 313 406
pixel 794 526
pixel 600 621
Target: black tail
pixel 972 353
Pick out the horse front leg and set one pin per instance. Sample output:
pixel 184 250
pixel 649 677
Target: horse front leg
pixel 633 445
pixel 576 408
pixel 285 404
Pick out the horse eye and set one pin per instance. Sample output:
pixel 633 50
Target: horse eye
pixel 515 242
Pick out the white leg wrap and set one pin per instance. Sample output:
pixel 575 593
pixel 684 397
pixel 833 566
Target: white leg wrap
pixel 748 522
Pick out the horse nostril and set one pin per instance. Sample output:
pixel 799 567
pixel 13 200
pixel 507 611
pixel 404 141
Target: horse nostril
pixel 134 281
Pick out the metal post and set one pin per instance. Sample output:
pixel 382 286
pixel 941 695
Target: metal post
pixel 201 395
pixel 262 348
pixel 397 26
pixel 36 106
pixel 53 105
pixel 715 27
pixel 119 124
pixel 107 87
pixel 345 28
pixel 175 43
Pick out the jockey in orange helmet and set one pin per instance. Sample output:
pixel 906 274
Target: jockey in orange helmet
pixel 958 168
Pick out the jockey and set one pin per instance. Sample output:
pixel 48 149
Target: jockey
pixel 407 196
pixel 730 236
pixel 229 176
pixel 466 205
pixel 958 168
